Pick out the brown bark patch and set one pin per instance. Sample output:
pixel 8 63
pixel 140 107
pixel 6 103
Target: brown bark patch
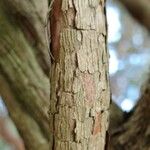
pixel 55 28
pixel 97 124
pixel 89 87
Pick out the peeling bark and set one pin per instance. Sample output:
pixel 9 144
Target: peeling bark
pixel 55 28
pixel 80 94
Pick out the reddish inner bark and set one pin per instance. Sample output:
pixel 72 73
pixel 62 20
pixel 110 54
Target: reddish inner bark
pixel 55 28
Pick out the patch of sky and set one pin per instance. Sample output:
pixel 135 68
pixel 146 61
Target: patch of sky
pixel 121 65
pixel 138 59
pixel 133 92
pixel 113 61
pixel 127 104
pixel 138 38
pixel 114 24
pixel 3 109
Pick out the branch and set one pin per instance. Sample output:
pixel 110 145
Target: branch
pixel 26 125
pixel 116 117
pixel 19 66
pixel 140 10
pixel 9 137
pixel 30 17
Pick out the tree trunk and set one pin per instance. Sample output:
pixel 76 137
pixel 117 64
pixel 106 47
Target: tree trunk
pixel 22 73
pixel 80 93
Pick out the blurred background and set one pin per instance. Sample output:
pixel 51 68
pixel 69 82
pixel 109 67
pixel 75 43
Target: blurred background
pixel 129 49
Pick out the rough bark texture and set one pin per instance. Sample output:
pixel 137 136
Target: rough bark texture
pixel 140 10
pixel 80 94
pixel 135 133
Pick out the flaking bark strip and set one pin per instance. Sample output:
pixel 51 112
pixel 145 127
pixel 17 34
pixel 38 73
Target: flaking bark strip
pixel 55 28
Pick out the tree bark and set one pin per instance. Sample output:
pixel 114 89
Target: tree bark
pixel 80 93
